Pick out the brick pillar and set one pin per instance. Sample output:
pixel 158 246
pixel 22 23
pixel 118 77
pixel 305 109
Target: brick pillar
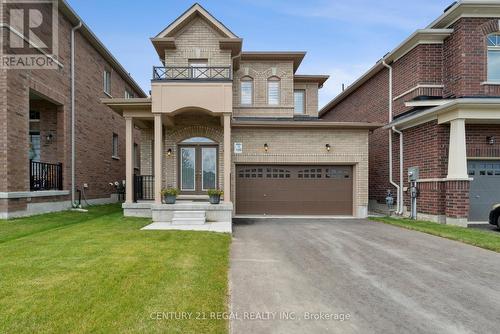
pixel 457 202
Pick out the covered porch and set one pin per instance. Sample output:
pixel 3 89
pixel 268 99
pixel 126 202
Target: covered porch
pixel 187 149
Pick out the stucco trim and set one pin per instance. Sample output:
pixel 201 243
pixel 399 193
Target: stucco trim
pixel 30 194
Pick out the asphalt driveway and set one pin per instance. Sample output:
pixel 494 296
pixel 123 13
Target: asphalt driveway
pixel 355 276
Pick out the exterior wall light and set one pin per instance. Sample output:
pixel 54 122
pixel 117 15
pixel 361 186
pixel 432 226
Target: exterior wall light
pixel 266 147
pixel 491 140
pixel 328 147
pixel 49 138
pixel 169 152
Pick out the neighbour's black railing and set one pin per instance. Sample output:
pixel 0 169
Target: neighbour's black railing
pixel 144 187
pixel 483 150
pixel 222 73
pixel 45 176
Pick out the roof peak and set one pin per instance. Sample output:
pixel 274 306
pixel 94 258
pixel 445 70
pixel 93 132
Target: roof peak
pixel 188 15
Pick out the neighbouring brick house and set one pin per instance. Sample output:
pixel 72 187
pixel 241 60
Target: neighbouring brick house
pixel 35 126
pixel 241 121
pixel 444 99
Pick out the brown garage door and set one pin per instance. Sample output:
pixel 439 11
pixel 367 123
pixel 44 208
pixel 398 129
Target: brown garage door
pixel 294 190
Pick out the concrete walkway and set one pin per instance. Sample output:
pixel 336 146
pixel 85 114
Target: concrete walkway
pixel 221 227
pixel 290 276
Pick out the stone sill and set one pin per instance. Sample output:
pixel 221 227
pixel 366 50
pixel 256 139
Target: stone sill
pixel 30 194
pixel 444 180
pixel 490 83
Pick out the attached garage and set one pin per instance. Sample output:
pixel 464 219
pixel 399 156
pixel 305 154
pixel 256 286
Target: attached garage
pixel 294 190
pixel 484 189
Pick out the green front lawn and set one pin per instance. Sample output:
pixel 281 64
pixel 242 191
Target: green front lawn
pixel 470 236
pixel 93 272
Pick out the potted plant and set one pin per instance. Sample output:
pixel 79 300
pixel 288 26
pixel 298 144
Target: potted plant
pixel 169 195
pixel 214 195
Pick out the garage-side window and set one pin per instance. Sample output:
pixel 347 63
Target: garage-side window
pixel 277 173
pixel 314 173
pixel 250 173
pixel 337 173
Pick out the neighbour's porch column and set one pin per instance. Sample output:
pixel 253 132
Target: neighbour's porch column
pixel 457 155
pixel 227 158
pixel 158 157
pixel 129 160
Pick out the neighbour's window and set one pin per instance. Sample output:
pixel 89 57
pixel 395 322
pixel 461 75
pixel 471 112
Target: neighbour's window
pixel 129 94
pixel 107 82
pixel 200 68
pixel 246 94
pixel 273 91
pixel 299 100
pixel 136 156
pixel 115 145
pixel 493 57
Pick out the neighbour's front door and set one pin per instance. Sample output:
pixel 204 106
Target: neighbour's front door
pixel 197 168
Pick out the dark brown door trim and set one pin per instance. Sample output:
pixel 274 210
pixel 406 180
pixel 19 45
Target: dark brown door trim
pixel 198 167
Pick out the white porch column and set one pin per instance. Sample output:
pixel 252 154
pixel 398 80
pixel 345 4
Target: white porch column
pixel 129 160
pixel 227 158
pixel 457 155
pixel 158 154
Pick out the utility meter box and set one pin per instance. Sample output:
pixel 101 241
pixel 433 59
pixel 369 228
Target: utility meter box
pixel 413 174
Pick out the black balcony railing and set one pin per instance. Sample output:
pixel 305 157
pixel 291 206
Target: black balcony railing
pixel 192 73
pixel 144 186
pixel 45 176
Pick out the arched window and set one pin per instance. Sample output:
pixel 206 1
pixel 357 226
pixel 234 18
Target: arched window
pixel 246 91
pixel 273 91
pixel 493 41
pixel 197 140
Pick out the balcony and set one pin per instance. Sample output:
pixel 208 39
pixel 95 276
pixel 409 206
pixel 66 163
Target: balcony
pixel 177 89
pixel 190 73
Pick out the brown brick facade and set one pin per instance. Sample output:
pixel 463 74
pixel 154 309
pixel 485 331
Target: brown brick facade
pixel 95 123
pixel 457 68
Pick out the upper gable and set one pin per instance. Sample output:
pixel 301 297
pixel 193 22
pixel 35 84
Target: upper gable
pixel 196 11
pixel 196 34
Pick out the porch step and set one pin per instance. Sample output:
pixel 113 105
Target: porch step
pixel 189 218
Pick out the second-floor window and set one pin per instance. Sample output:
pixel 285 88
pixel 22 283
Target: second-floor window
pixel 107 82
pixel 136 156
pixel 114 153
pixel 202 71
pixel 273 91
pixel 494 57
pixel 299 101
pixel 246 93
pixel 129 94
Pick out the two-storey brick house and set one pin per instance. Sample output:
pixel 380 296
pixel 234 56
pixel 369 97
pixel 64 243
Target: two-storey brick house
pixel 241 121
pixel 438 92
pixel 36 154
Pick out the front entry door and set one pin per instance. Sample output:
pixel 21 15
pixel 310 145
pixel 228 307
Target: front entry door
pixel 197 169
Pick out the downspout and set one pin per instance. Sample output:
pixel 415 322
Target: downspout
pixel 391 181
pixel 401 159
pixel 73 188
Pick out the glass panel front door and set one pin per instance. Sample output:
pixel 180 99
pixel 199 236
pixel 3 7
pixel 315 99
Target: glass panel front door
pixel 197 168
pixel 209 167
pixel 188 169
